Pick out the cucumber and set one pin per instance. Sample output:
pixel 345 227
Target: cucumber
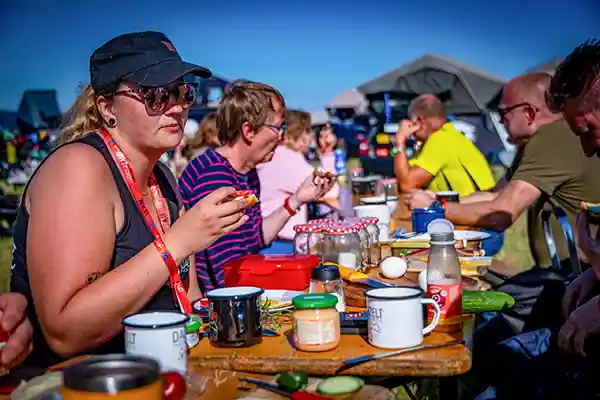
pixel 474 301
pixel 340 385
pixel 291 382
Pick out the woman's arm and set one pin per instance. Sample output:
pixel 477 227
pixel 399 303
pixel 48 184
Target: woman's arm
pixel 71 237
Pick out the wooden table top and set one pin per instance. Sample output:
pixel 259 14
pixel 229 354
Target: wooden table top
pixel 277 354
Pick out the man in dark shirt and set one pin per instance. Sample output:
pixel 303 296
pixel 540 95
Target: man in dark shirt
pixel 552 169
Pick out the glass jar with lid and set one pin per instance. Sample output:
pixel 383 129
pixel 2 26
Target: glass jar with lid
pixel 373 230
pixel 315 238
pixel 316 322
pixel 301 238
pixel 321 221
pixel 342 245
pixel 327 279
pixel 365 242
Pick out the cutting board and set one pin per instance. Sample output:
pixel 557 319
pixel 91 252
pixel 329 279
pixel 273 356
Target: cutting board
pixel 368 392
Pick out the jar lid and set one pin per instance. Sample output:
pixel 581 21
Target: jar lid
pixel 338 229
pixel 314 301
pixel 325 273
pixel 302 228
pixel 194 325
pixel 371 220
pixel 440 225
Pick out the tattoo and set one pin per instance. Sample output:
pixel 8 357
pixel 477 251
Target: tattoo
pixel 92 277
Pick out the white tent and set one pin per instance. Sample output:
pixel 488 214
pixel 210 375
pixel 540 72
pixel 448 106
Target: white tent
pixel 350 98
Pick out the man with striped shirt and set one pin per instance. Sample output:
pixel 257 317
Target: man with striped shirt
pixel 250 122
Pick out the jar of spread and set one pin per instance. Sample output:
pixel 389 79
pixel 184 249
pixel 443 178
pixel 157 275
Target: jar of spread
pixel 116 376
pixel 316 322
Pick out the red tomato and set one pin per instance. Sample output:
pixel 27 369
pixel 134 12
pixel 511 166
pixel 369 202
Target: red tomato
pixel 174 385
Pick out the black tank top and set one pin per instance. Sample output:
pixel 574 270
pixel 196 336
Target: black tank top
pixel 133 237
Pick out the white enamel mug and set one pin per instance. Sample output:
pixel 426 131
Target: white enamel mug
pixel 396 316
pixel 159 335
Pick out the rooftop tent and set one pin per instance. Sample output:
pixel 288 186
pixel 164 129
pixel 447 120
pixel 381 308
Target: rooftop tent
pixel 350 101
pixel 466 90
pixel 38 110
pixel 548 67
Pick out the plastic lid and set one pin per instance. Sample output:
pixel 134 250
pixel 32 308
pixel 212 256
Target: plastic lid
pixel 194 325
pixel 338 229
pixel 440 226
pixel 314 301
pixel 325 273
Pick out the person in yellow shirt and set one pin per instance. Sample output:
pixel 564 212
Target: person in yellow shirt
pixel 446 160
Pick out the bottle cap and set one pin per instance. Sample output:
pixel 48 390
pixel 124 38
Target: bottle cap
pixel 325 273
pixel 440 225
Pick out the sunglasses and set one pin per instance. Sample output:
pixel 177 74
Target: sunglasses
pixel 157 99
pixel 503 112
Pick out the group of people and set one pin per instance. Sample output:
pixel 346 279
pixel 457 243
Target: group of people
pixel 105 230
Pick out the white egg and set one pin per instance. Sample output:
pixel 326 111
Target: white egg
pixel 393 267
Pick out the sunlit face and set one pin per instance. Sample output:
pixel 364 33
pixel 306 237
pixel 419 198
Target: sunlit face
pixel 586 125
pixel 515 115
pixel 158 131
pixel 267 137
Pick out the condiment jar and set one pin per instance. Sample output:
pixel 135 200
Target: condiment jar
pixel 365 243
pixel 301 238
pixel 315 238
pixel 115 376
pixel 373 231
pixel 316 322
pixel 327 279
pixel 342 245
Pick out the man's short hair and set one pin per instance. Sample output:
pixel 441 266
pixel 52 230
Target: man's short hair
pixel 426 105
pixel 577 79
pixel 246 101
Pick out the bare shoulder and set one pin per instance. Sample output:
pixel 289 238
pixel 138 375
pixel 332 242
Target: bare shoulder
pixel 77 165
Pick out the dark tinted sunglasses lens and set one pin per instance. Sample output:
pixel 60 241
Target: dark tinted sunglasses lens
pixel 157 99
pixel 187 95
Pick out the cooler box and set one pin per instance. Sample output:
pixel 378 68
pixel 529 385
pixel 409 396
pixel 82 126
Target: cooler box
pixel 272 271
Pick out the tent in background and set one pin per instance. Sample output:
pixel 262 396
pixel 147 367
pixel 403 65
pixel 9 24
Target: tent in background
pixel 464 89
pixel 39 109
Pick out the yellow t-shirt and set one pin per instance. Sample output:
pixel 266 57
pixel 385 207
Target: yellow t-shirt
pixel 455 163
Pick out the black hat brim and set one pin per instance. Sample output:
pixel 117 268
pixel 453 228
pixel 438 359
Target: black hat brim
pixel 166 72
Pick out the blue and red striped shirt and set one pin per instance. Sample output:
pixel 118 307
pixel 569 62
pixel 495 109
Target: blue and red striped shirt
pixel 204 174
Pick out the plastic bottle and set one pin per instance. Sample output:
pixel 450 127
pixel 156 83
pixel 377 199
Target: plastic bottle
pixel 444 280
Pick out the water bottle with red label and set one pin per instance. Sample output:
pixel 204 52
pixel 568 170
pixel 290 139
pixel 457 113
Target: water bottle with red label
pixel 444 280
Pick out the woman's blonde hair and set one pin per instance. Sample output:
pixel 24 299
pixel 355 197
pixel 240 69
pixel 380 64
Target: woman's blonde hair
pixel 82 118
pixel 297 122
pixel 207 135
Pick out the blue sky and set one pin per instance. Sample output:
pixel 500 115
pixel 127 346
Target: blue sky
pixel 310 51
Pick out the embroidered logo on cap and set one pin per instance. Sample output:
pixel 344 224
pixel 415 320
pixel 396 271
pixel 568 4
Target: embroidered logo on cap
pixel 169 46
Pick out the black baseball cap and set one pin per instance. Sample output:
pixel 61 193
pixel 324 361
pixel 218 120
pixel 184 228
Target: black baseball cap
pixel 145 58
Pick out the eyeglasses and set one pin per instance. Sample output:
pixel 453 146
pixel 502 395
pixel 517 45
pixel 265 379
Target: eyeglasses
pixel 157 99
pixel 281 129
pixel 503 112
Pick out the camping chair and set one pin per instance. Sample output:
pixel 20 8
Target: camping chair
pixel 574 265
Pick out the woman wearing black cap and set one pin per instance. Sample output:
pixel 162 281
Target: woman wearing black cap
pixel 99 234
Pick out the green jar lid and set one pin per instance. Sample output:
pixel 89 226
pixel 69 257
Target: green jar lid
pixel 315 300
pixel 194 325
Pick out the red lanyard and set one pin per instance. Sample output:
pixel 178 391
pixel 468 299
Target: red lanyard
pixel 163 215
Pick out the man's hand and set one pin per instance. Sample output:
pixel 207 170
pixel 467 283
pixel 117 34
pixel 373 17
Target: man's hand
pixel 417 198
pixel 580 291
pixel 406 129
pixel 589 246
pixel 13 321
pixel 583 323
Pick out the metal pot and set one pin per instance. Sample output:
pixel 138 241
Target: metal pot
pixel 235 316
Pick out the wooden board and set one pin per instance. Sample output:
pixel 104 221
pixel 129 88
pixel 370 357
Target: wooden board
pixel 276 354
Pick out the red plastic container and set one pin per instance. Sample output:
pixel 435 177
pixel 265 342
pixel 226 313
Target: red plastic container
pixel 272 271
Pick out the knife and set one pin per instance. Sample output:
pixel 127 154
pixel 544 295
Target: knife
pixel 273 388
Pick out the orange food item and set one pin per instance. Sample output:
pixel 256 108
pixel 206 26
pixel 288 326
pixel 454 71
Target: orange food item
pixel 248 195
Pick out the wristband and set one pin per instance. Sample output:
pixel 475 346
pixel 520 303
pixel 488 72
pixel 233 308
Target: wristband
pixel 288 207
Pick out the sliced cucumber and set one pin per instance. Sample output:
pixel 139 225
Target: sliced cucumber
pixel 340 385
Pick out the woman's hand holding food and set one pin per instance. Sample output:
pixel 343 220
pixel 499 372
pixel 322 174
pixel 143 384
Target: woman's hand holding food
pixel 208 220
pixel 314 187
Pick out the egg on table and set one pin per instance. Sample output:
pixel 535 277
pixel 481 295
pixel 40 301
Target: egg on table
pixel 393 267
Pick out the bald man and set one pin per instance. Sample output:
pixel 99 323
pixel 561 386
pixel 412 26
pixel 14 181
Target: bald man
pixel 447 160
pixel 552 169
